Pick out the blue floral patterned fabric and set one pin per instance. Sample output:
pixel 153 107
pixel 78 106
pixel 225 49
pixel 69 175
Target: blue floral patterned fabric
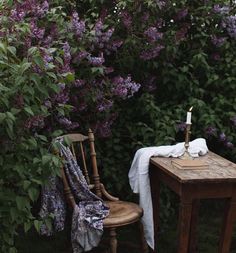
pixel 88 214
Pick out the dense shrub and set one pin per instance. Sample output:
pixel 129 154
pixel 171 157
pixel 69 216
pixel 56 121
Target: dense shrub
pixel 70 65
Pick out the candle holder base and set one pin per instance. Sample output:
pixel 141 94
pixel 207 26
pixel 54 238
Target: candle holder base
pixel 186 156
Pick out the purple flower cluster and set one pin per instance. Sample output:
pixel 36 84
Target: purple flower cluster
pixel 62 97
pixel 152 34
pixel 215 56
pixel 96 61
pixel 31 8
pixel 36 31
pixel 68 124
pixel 210 131
pixel 67 58
pixel 124 87
pixel 77 26
pixel 35 122
pixel 221 10
pixel 223 138
pixel 104 105
pixel 181 14
pixel 217 41
pixel 181 34
pixel 230 24
pixel 126 19
pixel 151 53
pixel 79 83
pixel 161 4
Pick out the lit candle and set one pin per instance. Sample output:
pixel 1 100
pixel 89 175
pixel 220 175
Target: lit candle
pixel 189 115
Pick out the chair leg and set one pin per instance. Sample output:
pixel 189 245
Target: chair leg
pixel 144 245
pixel 113 240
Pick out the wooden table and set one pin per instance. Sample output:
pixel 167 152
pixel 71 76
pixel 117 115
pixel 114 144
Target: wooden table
pixel 217 181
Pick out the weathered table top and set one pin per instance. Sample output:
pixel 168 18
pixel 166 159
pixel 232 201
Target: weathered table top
pixel 220 169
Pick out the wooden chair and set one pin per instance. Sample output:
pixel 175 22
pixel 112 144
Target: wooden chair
pixel 121 212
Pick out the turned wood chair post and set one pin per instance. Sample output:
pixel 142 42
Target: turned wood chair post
pixel 95 175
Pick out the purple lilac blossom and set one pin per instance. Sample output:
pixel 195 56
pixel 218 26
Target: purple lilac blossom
pixel 229 145
pixel 230 24
pixel 218 41
pixel 108 70
pixel 62 97
pixel 126 19
pixel 36 32
pixel 77 26
pixel 104 128
pixel 18 14
pixel 115 45
pixel 145 16
pixel 181 14
pixel 161 4
pixel 79 82
pixel 153 34
pixel 96 61
pixel 210 131
pixel 35 122
pixel 151 53
pixel 222 137
pixel 124 88
pixel 215 56
pixel 104 105
pixel 98 28
pixel 67 58
pixel 221 10
pixel 181 34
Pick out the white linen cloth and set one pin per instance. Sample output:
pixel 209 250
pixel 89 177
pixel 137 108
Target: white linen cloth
pixel 139 177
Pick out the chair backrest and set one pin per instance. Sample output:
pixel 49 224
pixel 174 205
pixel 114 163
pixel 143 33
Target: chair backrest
pixel 82 153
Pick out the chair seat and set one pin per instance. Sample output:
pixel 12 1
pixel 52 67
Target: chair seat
pixel 122 213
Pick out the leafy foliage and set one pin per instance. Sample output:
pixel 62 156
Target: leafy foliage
pixel 70 65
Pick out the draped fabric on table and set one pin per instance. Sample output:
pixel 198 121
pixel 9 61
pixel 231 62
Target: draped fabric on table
pixel 88 214
pixel 139 177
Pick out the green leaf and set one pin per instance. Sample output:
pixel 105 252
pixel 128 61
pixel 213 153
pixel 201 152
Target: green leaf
pixel 2 117
pixel 12 50
pixel 4 88
pixel 29 111
pixel 25 66
pixel 3 47
pixel 27 226
pixel 33 193
pixel 37 225
pixel 21 202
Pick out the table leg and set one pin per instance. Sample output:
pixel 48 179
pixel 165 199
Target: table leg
pixel 193 232
pixel 155 191
pixel 184 226
pixel 227 228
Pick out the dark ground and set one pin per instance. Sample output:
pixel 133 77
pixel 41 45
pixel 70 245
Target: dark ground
pixel 210 216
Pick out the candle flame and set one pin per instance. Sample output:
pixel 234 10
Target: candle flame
pixel 190 109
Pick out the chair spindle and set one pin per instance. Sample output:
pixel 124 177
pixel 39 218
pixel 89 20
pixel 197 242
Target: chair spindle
pixel 84 163
pixel 96 178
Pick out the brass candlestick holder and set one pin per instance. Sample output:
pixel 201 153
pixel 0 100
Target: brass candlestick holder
pixel 186 154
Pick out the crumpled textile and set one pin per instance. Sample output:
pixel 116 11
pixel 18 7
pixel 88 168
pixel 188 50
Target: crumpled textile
pixel 139 177
pixel 88 214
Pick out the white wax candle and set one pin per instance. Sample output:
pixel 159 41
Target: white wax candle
pixel 189 115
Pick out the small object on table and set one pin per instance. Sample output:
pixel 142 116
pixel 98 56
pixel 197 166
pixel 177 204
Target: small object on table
pixel 189 164
pixel 186 154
